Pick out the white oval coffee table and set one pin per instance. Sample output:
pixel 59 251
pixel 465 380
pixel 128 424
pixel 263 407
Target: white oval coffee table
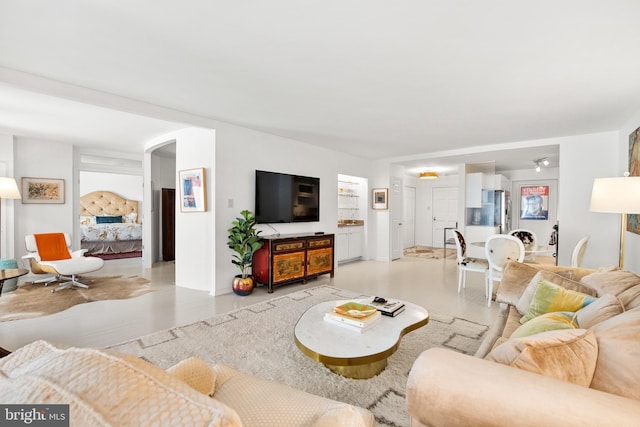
pixel 350 353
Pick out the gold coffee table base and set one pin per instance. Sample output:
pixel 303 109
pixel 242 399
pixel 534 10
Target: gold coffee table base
pixel 359 372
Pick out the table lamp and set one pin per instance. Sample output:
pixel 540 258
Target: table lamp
pixel 619 195
pixel 8 188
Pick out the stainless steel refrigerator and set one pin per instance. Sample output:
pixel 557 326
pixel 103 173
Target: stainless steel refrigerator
pixel 502 211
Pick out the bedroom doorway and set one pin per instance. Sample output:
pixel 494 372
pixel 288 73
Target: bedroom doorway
pixel 112 229
pixel 120 177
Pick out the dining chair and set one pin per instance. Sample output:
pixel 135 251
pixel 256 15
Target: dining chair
pixel 578 251
pixel 500 249
pixel 467 264
pixel 528 239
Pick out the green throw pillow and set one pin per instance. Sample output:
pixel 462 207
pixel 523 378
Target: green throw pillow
pixel 546 322
pixel 550 298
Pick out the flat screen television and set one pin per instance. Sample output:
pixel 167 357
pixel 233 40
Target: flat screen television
pixel 282 197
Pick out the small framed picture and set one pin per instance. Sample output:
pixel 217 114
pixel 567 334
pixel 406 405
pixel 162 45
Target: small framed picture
pixel 42 190
pixel 193 190
pixel 380 198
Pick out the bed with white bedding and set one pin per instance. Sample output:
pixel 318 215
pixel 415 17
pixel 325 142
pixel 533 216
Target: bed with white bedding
pixel 109 223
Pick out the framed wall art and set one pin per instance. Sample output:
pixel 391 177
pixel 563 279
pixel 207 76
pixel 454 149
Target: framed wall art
pixel 42 190
pixel 380 198
pixel 535 202
pixel 193 190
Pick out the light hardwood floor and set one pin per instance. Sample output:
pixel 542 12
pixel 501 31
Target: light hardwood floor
pixel 427 282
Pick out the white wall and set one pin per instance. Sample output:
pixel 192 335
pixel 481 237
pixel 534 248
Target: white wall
pixel 239 152
pixel 582 159
pixel 379 228
pixel 127 186
pixel 7 206
pixel 43 159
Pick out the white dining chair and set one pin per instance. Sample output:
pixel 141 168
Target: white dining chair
pixel 578 251
pixel 466 264
pixel 500 249
pixel 528 239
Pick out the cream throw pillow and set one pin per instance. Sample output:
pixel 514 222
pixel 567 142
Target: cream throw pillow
pixel 618 346
pixel 195 372
pixel 567 354
pixel 105 388
pixel 598 311
pixel 527 296
pixel 621 283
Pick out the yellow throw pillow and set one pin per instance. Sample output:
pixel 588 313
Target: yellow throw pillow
pixel 546 322
pixel 559 279
pixel 550 297
pixel 568 355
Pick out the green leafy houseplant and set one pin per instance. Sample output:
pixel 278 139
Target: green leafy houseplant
pixel 244 240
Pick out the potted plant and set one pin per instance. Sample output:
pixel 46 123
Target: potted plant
pixel 244 240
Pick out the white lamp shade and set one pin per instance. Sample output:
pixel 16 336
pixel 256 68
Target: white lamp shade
pixel 616 195
pixel 9 188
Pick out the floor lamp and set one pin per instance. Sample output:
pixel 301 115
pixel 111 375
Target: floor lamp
pixel 619 195
pixel 8 190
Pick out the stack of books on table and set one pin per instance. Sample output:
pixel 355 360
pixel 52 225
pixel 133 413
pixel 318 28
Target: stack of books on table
pixel 353 315
pixel 389 307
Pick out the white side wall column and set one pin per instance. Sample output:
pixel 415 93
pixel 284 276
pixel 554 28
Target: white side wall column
pixel 195 244
pixel 582 159
pixel 7 214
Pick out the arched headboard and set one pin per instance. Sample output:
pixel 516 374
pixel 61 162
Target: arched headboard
pixel 100 203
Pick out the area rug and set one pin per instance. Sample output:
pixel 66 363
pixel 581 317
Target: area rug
pixel 429 253
pixel 259 340
pixel 34 299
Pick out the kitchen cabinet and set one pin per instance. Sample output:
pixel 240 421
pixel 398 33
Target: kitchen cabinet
pixel 476 182
pixel 349 243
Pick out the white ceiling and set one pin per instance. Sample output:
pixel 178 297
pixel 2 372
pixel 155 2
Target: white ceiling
pixel 374 78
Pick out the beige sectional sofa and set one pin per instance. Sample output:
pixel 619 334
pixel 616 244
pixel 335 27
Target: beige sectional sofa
pixel 109 389
pixel 581 368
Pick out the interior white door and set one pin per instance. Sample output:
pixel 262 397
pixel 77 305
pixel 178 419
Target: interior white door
pixel 395 207
pixel 445 213
pixel 409 217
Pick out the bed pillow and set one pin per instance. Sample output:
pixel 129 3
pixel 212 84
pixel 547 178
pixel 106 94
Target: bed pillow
pixel 550 297
pixel 111 219
pixel 130 218
pixel 568 355
pixel 87 220
pixel 547 322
